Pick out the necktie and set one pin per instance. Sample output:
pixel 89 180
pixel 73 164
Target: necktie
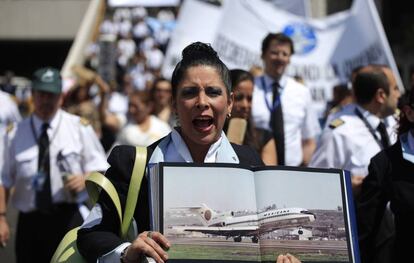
pixel 276 123
pixel 43 195
pixel 385 140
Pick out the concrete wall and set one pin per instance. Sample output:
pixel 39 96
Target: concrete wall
pixel 40 19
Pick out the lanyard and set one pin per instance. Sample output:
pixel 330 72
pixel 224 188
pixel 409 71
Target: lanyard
pixel 276 102
pixel 369 127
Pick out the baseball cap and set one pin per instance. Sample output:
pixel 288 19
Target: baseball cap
pixel 47 79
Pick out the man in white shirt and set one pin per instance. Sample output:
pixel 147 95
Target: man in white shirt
pixel 282 105
pixel 359 133
pixel 354 137
pixel 46 159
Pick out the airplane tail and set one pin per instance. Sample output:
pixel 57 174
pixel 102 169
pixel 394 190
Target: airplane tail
pixel 205 214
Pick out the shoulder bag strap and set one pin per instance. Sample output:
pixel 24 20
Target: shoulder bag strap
pixel 95 183
pixel 134 187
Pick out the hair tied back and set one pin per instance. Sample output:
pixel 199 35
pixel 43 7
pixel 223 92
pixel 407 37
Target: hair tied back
pixel 197 50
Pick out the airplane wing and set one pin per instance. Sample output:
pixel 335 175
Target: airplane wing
pixel 221 231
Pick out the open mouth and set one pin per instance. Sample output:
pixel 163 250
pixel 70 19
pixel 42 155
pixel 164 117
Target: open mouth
pixel 203 123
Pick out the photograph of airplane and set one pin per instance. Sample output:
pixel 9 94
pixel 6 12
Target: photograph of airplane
pixel 222 213
pixel 229 225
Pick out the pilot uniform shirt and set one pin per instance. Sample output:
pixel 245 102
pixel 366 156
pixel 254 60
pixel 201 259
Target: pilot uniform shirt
pixel 299 119
pixel 69 135
pixel 347 143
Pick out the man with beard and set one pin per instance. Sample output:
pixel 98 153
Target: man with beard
pixel 46 159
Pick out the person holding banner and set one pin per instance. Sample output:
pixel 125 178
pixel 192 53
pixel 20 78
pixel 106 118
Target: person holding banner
pixel 281 104
pixel 202 100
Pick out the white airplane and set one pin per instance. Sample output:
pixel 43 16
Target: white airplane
pixel 229 225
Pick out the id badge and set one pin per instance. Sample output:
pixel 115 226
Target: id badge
pixel 39 180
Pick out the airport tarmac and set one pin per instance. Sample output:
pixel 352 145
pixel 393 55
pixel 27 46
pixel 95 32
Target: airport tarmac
pixel 307 248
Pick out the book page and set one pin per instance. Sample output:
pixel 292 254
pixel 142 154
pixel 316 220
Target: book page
pixel 209 214
pixel 302 212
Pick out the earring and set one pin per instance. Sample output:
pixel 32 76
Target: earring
pixel 228 115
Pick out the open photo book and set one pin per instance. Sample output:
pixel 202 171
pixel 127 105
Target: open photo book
pixel 227 212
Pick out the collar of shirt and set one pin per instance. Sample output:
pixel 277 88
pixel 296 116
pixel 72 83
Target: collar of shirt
pixel 183 150
pixel 372 120
pixel 269 81
pixel 53 124
pixel 173 149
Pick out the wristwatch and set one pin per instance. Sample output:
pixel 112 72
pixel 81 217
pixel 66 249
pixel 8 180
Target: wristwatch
pixel 123 258
pixel 142 258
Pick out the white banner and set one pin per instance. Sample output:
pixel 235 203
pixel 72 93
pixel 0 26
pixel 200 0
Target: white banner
pixel 326 50
pixel 146 3
pixel 197 21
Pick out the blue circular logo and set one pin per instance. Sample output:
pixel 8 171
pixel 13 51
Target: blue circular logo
pixel 303 37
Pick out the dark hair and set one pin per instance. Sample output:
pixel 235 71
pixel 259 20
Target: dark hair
pixel 280 38
pixel 366 85
pixel 406 100
pixel 239 75
pixel 199 54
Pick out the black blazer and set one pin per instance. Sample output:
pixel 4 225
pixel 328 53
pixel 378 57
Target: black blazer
pixel 103 238
pixel 390 179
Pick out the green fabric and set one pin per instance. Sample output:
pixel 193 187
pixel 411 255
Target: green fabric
pixel 67 250
pixel 47 79
pixel 133 190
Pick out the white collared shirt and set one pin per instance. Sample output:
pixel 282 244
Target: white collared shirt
pixel 76 141
pixel 9 112
pixel 177 150
pixel 299 119
pixel 351 145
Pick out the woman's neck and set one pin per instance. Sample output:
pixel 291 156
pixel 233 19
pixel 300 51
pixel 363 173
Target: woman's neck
pixel 198 151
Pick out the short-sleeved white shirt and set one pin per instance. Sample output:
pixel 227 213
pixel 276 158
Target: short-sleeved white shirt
pixel 350 145
pixel 73 138
pixel 299 119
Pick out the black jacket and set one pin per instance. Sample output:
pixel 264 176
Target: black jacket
pixel 390 179
pixel 103 238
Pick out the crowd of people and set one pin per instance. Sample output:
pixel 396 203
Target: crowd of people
pixel 46 155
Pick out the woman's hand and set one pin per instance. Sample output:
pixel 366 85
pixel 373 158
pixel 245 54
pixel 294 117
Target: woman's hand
pixel 288 258
pixel 150 244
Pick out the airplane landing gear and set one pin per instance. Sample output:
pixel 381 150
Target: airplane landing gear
pixel 237 239
pixel 255 239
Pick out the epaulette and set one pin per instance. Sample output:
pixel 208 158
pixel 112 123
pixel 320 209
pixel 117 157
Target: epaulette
pixel 84 121
pixel 336 123
pixel 10 127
